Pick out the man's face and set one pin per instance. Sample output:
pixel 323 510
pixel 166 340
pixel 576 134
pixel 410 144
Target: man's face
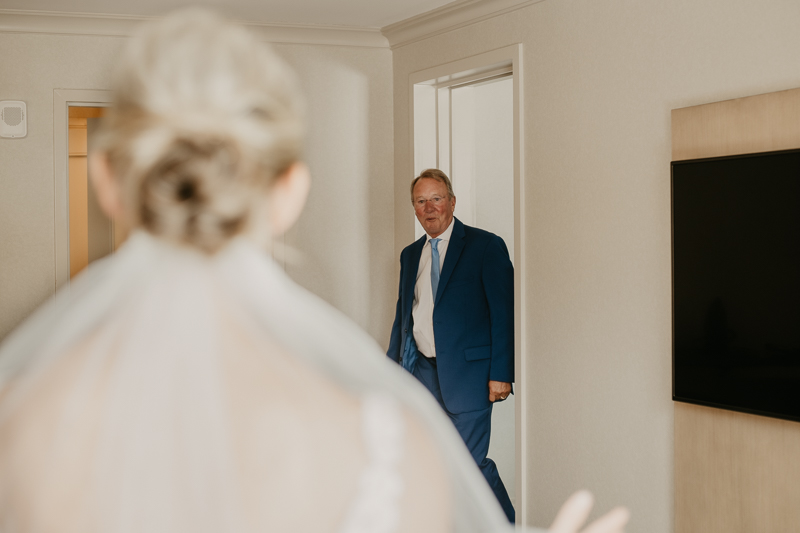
pixel 433 208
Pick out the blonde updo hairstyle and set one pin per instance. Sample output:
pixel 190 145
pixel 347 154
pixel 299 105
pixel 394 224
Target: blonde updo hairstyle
pixel 205 119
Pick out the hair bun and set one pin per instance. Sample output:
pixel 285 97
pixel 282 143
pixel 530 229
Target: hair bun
pixel 196 193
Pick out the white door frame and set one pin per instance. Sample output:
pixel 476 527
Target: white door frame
pixel 462 71
pixel 62 100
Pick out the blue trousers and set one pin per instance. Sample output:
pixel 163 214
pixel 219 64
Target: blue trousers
pixel 474 427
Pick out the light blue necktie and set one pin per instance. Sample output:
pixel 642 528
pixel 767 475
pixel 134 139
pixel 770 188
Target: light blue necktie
pixel 434 266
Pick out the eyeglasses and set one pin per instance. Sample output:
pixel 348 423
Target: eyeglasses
pixel 435 200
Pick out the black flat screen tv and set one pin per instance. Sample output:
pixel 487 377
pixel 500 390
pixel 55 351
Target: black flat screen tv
pixel 736 283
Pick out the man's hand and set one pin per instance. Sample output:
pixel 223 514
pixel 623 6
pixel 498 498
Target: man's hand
pixel 574 512
pixel 498 390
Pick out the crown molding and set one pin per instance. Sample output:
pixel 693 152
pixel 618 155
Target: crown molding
pixel 447 18
pixel 58 23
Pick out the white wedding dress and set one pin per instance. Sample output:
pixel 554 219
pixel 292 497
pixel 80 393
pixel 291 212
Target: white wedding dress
pixel 169 391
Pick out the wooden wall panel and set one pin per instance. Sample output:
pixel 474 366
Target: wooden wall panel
pixel 734 472
pixel 760 123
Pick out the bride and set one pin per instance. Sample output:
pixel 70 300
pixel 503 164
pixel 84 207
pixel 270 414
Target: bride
pixel 186 384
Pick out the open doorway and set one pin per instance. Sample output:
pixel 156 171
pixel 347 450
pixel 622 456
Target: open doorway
pixel 466 122
pixel 92 235
pixel 82 232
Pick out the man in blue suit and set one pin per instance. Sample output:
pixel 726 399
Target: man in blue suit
pixel 454 324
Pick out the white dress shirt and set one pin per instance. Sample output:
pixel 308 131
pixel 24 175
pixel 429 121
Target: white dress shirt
pixel 422 310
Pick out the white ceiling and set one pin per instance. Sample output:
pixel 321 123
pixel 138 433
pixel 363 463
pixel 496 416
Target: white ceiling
pixel 359 13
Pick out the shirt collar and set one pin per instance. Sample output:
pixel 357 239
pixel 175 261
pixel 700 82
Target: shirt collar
pixel 445 236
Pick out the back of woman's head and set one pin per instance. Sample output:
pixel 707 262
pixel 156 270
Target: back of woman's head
pixel 205 119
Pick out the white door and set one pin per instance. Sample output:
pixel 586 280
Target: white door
pixel 467 131
pixel 482 170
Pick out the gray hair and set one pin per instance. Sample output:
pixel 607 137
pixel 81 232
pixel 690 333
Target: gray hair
pixel 435 174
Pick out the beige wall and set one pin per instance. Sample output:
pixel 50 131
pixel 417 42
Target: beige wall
pixel 345 235
pixel 32 66
pixel 349 95
pixel 600 79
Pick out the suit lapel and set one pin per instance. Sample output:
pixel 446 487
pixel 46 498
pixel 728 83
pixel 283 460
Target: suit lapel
pixel 454 248
pixel 412 266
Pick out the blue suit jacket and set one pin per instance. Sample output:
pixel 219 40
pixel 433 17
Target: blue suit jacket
pixel 473 316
